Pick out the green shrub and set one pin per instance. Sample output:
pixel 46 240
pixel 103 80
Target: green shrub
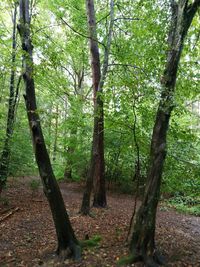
pixel 186 204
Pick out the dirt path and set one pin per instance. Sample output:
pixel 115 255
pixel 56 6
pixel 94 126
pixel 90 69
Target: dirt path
pixel 27 235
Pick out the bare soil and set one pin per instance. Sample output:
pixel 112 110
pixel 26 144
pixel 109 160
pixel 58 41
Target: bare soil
pixel 27 234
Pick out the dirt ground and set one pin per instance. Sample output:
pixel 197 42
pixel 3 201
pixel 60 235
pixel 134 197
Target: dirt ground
pixel 27 234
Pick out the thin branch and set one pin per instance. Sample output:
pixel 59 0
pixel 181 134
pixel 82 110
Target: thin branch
pixel 129 65
pixel 81 34
pixel 124 65
pixel 105 17
pixel 184 161
pixel 88 92
pixel 65 68
pixel 122 30
pixel 47 27
pixel 126 18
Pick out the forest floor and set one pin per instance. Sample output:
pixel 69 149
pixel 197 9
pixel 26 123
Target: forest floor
pixel 27 235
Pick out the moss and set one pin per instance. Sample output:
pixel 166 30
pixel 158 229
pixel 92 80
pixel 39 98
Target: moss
pixel 126 260
pixel 93 242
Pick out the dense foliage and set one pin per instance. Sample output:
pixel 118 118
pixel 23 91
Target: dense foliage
pixel 131 93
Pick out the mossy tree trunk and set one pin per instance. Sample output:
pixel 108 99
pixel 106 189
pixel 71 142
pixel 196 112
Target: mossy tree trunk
pixel 13 95
pixel 67 242
pixel 142 234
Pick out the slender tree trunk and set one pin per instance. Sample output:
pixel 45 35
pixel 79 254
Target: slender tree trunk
pixel 96 175
pixel 97 158
pixel 56 135
pixel 67 171
pixel 5 156
pixel 67 241
pixel 79 76
pixel 49 129
pixel 70 152
pixel 142 234
pixel 99 180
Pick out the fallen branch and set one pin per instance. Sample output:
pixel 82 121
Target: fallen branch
pixel 8 214
pixel 6 210
pixel 37 200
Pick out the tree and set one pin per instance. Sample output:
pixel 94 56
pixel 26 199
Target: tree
pixel 65 234
pixel 96 175
pixel 142 234
pixel 5 156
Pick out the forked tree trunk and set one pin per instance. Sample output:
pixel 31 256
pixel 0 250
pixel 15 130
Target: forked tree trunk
pixel 142 234
pixel 96 175
pixel 67 241
pixel 5 156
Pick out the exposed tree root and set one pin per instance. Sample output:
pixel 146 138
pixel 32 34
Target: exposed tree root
pixel 154 260
pixel 129 260
pixel 73 251
pixel 96 205
pixel 86 213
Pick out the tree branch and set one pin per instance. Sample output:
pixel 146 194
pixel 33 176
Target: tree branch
pixel 81 34
pixel 192 8
pixel 126 18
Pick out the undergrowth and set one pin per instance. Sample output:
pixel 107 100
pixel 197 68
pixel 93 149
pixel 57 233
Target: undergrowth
pixel 185 204
pixel 92 242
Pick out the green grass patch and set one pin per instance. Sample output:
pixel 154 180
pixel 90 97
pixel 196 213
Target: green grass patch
pixel 125 260
pixel 92 242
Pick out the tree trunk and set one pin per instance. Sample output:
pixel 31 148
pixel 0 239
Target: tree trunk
pixel 79 76
pixel 99 176
pixel 70 152
pixel 67 241
pixel 68 170
pixel 142 234
pixel 96 172
pixel 56 135
pixel 5 157
pixel 96 175
pixel 49 129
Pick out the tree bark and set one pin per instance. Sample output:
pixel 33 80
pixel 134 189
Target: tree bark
pixel 142 234
pixel 5 156
pixel 99 179
pixel 67 242
pixel 70 152
pixel 56 135
pixel 96 174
